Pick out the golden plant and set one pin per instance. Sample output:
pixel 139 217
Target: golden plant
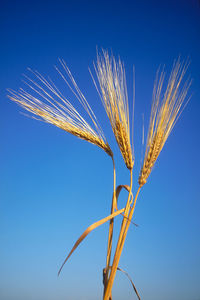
pixel 52 107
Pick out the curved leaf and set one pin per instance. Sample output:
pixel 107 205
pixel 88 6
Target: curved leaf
pixel 87 231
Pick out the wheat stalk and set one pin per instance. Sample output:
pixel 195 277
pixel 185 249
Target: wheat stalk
pixel 112 81
pixel 48 103
pixel 165 112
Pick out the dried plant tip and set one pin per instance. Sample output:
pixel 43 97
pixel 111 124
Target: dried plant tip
pixel 164 115
pixel 112 81
pixel 49 104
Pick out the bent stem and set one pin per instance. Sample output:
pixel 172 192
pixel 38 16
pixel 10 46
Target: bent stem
pixel 119 243
pixel 110 235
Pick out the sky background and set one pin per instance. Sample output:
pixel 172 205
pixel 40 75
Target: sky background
pixel 53 186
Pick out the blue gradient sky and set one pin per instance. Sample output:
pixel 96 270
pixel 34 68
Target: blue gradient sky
pixel 52 185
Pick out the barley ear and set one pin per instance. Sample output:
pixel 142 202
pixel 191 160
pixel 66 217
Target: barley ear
pixel 165 112
pixel 112 82
pixel 44 100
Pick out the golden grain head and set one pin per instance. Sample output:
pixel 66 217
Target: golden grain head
pixel 165 112
pixel 112 81
pixel 47 102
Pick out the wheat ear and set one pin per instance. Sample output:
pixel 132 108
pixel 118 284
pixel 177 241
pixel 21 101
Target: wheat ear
pixel 165 112
pixel 112 81
pixel 50 105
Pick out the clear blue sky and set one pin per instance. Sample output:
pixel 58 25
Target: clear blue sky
pixel 52 185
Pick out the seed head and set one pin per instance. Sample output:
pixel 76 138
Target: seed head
pixel 165 112
pixel 47 102
pixel 112 81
